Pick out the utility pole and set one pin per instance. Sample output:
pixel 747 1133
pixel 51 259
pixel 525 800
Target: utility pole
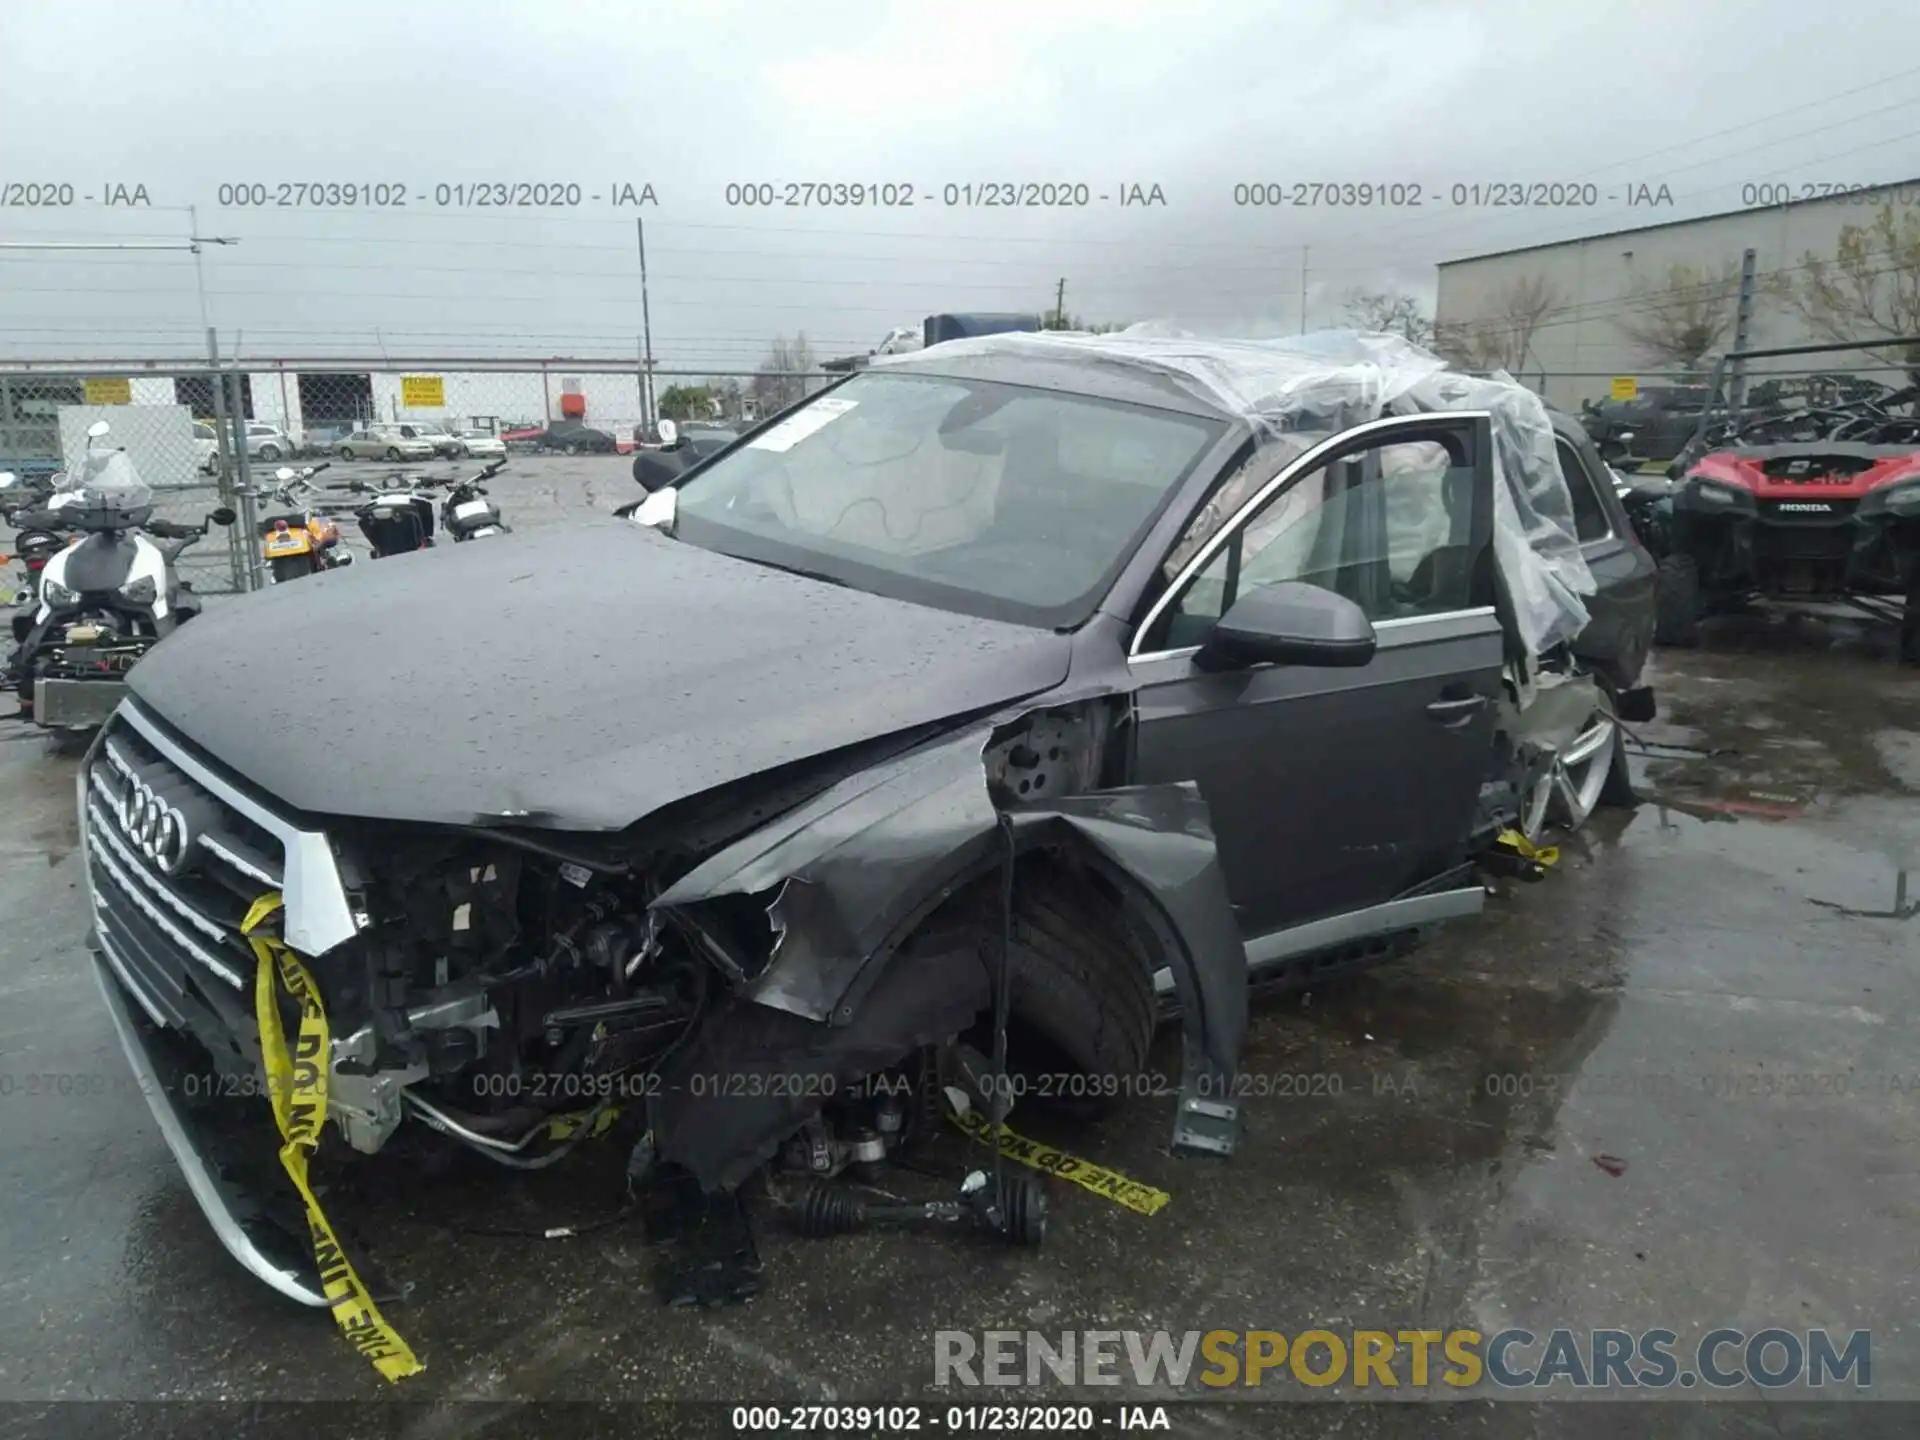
pixel 192 243
pixel 646 330
pixel 1303 289
pixel 1060 304
pixel 1742 326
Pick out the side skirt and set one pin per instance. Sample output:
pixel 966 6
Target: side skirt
pixel 1277 948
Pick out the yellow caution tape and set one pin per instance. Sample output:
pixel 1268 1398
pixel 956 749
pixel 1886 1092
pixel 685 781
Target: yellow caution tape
pixel 1527 850
pixel 564 1127
pixel 1138 1197
pixel 297 1086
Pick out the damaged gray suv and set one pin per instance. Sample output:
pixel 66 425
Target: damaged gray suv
pixel 1156 662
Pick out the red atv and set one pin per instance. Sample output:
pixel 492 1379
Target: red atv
pixel 1823 521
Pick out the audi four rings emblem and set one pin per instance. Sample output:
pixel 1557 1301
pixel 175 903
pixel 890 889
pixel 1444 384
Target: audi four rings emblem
pixel 157 826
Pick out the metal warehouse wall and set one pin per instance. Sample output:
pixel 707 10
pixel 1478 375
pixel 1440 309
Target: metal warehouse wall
pixel 613 401
pixel 1596 278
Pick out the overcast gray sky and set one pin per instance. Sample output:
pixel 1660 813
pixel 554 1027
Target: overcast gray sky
pixel 1706 97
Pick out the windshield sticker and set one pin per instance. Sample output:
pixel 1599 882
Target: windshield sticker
pixel 791 431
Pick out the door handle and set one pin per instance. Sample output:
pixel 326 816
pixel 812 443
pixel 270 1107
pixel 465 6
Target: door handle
pixel 1455 714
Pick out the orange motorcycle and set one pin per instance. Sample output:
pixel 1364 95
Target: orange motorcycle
pixel 297 538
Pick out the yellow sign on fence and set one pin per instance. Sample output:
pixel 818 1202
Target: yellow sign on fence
pixel 102 391
pixel 1626 387
pixel 423 392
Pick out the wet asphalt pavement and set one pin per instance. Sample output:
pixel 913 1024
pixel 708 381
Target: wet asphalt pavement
pixel 1676 1083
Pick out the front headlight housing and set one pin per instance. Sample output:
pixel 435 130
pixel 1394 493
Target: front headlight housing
pixel 56 594
pixel 1903 499
pixel 141 591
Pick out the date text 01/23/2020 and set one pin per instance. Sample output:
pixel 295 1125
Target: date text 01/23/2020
pixel 1416 195
pixel 950 1419
pixel 968 195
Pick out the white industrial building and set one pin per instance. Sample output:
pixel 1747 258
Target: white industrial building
pixel 1593 281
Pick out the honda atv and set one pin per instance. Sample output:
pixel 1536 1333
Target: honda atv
pixel 1820 522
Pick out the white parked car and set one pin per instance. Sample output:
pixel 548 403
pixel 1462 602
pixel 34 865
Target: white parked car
pixel 206 448
pixel 264 442
pixel 480 443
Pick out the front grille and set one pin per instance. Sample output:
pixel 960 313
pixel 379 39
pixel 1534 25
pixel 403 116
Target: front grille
pixel 173 868
pixel 1824 534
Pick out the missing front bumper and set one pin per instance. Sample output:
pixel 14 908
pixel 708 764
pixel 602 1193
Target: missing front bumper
pixel 240 1219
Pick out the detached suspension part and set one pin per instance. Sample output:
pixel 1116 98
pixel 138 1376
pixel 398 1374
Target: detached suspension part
pixel 1015 1209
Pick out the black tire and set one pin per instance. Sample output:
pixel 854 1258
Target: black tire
pixel 269 453
pixel 1677 605
pixel 393 455
pixel 346 452
pixel 291 567
pixel 570 449
pixel 1082 985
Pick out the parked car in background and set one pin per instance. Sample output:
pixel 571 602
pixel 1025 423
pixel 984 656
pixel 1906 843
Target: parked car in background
pixel 384 442
pixel 265 442
pixel 324 439
pixel 574 440
pixel 480 443
pixel 206 448
pixel 444 442
pixel 1654 425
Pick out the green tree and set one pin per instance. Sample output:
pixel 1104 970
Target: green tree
pixel 687 402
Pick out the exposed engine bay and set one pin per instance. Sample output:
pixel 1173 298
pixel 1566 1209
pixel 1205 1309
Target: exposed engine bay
pixel 496 986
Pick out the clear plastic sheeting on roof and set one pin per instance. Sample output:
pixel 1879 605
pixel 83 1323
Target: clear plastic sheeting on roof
pixel 1300 389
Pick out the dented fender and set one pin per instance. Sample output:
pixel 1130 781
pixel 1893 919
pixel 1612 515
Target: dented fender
pixel 854 870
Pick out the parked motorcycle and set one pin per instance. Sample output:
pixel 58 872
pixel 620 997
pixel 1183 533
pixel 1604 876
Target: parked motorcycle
pixel 105 599
pixel 467 513
pixel 33 546
pixel 400 516
pixel 297 538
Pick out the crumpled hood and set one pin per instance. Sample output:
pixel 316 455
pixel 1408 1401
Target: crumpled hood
pixel 572 677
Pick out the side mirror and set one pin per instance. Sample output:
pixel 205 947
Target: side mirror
pixel 8 479
pixel 222 516
pixel 97 429
pixel 669 433
pixel 284 473
pixel 1291 623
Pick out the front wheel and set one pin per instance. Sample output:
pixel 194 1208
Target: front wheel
pixel 1677 604
pixel 290 567
pixel 269 453
pixel 569 449
pixel 393 455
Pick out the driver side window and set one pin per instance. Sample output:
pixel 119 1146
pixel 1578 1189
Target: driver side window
pixel 1389 526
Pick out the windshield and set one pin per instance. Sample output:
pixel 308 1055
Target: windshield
pixel 105 482
pixel 993 499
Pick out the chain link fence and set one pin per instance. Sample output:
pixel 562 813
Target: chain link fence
pixel 177 426
pixel 209 435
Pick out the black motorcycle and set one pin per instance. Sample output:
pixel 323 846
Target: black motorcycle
pixel 467 513
pixel 400 516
